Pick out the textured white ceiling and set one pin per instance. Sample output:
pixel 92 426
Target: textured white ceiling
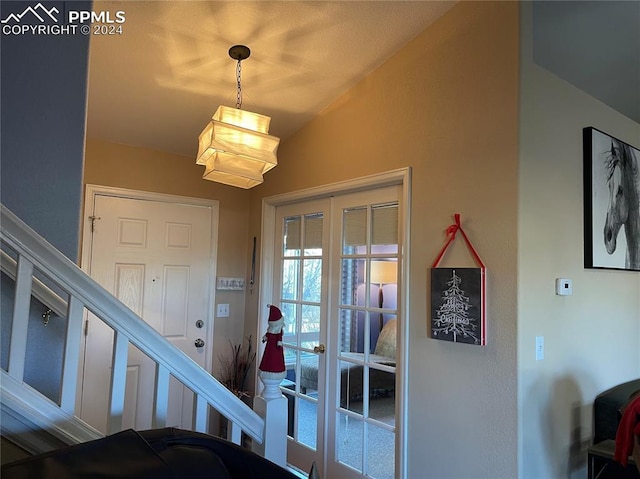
pixel 158 83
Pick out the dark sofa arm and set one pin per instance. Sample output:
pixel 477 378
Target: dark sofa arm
pixel 606 409
pixel 195 455
pixel 167 453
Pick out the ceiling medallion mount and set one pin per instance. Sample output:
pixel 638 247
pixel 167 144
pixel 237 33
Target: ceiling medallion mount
pixel 239 52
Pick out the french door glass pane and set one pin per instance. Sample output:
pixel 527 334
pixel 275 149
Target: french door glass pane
pixel 312 280
pixel 382 408
pixel 380 453
pixel 290 268
pixel 351 385
pixel 384 229
pixel 291 361
pixel 348 330
pixel 310 326
pixel 309 374
pixel 307 422
pixel 385 340
pixel 352 282
pixel 292 235
pixel 313 234
pixel 350 441
pixel 354 229
pixel 290 329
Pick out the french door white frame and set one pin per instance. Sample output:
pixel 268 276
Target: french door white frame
pixel 85 263
pixel 396 177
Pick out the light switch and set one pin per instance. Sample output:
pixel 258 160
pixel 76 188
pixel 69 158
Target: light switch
pixel 223 311
pixel 539 348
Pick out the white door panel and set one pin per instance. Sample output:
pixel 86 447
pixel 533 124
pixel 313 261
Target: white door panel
pixel 156 258
pixel 300 279
pixel 361 407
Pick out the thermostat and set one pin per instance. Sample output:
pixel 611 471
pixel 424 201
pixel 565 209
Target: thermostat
pixel 564 287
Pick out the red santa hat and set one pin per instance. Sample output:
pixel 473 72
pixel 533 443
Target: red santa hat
pixel 274 313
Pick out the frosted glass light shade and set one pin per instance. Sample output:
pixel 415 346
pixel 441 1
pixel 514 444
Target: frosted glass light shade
pixel 237 143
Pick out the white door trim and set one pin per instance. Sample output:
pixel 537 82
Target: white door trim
pixel 89 201
pixel 401 177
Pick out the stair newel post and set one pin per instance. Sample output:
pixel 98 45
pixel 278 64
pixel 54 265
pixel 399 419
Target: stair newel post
pixel 271 405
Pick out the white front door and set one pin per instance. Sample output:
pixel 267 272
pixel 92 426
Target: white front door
pixel 156 257
pixel 335 279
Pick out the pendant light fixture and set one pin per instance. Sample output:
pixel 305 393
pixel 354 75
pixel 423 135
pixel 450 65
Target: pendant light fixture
pixel 235 147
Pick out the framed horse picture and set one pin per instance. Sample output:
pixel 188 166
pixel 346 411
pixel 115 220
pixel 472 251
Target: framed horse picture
pixel 611 202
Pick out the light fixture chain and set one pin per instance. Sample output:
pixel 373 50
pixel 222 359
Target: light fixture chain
pixel 239 93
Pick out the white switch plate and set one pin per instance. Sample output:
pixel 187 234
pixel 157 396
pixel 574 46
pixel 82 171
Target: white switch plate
pixel 539 348
pixel 564 287
pixel 223 311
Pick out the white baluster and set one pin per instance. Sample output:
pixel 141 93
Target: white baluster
pixel 71 355
pixel 118 381
pixel 234 432
pixel 161 402
pixel 22 300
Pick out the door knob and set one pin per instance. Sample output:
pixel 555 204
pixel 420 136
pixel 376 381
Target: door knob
pixel 319 349
pixel 199 343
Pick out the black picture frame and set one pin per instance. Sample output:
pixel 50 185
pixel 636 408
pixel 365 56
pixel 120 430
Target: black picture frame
pixel 611 202
pixel 457 311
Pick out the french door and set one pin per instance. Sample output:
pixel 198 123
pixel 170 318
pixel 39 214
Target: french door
pixel 335 278
pixel 301 284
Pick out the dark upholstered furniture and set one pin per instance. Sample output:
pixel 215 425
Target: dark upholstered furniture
pixel 606 409
pixel 606 417
pixel 381 383
pixel 155 454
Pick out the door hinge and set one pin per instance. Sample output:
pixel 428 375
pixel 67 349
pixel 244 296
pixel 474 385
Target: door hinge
pixel 93 219
pixel 86 327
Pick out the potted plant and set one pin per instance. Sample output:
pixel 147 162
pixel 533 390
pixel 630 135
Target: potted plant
pixel 233 370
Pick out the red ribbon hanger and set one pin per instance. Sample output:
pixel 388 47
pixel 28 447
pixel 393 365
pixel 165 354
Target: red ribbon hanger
pixel 451 233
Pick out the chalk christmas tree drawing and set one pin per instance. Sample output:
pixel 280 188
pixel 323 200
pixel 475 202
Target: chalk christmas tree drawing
pixel 453 317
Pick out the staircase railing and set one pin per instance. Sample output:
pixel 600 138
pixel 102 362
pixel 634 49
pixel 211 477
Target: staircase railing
pixel 30 253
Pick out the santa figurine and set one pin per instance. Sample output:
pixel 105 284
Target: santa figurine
pixel 272 364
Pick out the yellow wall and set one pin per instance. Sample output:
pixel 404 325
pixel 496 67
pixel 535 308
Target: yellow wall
pixel 446 105
pixel 123 166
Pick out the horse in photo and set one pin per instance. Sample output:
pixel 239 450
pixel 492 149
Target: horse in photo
pixel 623 180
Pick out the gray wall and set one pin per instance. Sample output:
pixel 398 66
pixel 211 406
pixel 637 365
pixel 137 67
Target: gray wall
pixel 594 45
pixel 44 86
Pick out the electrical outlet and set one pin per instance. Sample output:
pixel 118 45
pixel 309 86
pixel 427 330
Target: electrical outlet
pixel 539 348
pixel 223 311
